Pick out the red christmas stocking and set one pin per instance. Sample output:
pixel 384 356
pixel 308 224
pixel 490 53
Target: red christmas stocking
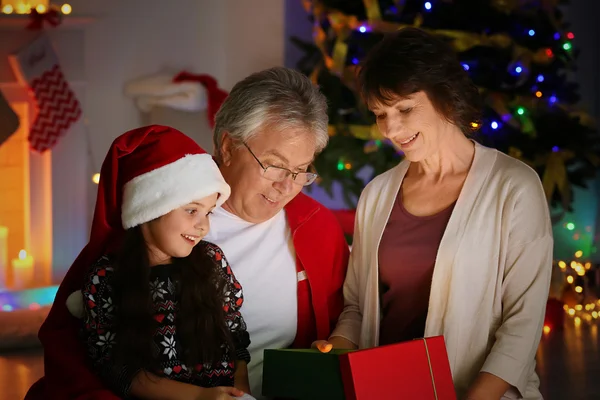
pixel 57 107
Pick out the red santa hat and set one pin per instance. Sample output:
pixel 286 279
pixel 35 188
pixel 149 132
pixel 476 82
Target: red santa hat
pixel 216 96
pixel 154 170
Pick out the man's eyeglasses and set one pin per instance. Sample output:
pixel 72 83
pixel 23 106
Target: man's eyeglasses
pixel 277 174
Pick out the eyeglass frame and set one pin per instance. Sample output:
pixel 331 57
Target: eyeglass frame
pixel 290 173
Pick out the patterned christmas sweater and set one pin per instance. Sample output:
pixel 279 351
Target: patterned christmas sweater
pixel 99 320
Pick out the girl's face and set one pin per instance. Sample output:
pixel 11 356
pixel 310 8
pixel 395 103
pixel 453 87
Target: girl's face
pixel 175 234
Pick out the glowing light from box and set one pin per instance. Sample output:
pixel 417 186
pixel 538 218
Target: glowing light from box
pixel 96 178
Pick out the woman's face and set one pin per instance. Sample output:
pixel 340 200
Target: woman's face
pixel 253 197
pixel 175 234
pixel 413 125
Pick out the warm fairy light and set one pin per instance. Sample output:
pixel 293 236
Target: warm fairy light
pixel 588 265
pixel 66 9
pixel 538 94
pixel 7 9
pixel 577 321
pixel 562 264
pixel 571 312
pixel 547 329
pixel 578 253
pixel 474 125
pixel 578 307
pixel 594 314
pixel 348 166
pixel 40 8
pixel 578 289
pixel 570 279
pixel 23 8
pixel 96 178
pixel 566 307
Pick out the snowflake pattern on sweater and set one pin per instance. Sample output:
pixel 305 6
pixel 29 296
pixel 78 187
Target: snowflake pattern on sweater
pixel 99 321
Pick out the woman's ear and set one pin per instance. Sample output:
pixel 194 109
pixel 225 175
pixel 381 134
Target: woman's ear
pixel 226 150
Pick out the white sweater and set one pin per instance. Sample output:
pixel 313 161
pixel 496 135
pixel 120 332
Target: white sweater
pixel 491 278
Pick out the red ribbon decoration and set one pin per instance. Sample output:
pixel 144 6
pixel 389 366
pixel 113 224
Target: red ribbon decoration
pixel 52 17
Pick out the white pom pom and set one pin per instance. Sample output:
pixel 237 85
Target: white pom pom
pixel 75 304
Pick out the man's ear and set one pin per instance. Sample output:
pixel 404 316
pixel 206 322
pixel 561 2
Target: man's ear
pixel 226 151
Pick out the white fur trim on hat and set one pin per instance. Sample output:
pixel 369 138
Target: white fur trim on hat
pixel 158 192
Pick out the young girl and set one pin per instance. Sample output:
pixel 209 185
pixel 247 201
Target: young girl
pixel 161 308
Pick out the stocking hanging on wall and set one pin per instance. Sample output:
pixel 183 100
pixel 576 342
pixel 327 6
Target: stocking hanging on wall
pixel 57 107
pixel 9 121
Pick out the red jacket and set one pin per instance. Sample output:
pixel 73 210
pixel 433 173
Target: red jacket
pixel 321 251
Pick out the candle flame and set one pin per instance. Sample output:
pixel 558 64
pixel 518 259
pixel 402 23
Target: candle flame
pixel 22 255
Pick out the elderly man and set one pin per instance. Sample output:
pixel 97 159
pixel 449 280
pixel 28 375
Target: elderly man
pixel 287 250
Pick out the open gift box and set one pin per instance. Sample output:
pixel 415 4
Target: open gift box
pixel 414 370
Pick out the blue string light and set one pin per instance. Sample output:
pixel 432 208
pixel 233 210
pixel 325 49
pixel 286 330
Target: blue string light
pixel 466 66
pixel 531 32
pixel 540 78
pixel 495 125
pixel 428 6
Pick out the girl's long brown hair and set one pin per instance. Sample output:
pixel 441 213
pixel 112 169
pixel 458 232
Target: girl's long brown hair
pixel 200 319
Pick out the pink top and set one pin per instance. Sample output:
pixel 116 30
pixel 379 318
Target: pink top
pixel 407 254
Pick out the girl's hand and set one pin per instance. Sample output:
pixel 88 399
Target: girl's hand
pixel 219 393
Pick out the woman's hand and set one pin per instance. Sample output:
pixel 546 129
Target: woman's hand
pixel 335 342
pixel 219 393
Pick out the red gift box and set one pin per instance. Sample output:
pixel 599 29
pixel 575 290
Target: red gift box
pixel 415 370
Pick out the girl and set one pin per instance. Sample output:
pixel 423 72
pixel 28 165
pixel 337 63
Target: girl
pixel 161 315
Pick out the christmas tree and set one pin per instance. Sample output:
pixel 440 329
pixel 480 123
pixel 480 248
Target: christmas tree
pixel 518 52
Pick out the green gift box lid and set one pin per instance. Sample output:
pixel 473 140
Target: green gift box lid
pixel 303 374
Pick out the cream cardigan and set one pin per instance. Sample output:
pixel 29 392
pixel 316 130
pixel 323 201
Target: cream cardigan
pixel 491 277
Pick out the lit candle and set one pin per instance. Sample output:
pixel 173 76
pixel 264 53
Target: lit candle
pixel 3 256
pixel 22 270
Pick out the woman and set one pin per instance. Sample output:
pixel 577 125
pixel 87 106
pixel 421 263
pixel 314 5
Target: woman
pixel 456 240
pixel 287 251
